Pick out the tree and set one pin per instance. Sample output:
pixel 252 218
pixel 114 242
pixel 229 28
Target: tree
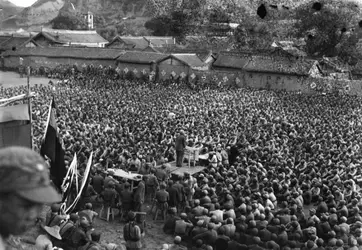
pixel 160 26
pixel 327 26
pixel 159 8
pixel 69 21
pixel 176 24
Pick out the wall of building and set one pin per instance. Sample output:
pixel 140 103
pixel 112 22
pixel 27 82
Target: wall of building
pixel 137 69
pixel 272 81
pixel 36 62
pixel 166 67
pixel 220 77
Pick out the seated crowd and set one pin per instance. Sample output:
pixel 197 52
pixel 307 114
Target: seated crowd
pixel 282 173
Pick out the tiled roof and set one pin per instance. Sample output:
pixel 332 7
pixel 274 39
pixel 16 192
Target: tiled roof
pixel 334 63
pixel 202 54
pixel 139 41
pixel 14 42
pixel 159 41
pixel 4 38
pixel 235 61
pixel 280 65
pixel 140 57
pixel 72 36
pixel 294 51
pixel 142 42
pixel 191 60
pixel 67 52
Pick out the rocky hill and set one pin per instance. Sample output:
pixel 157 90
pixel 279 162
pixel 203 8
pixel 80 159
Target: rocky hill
pixel 110 13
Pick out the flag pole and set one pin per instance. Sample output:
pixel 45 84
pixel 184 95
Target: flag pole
pixel 47 123
pixel 30 108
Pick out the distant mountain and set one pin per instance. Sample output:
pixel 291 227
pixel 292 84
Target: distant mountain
pixel 8 9
pixel 115 13
pixel 106 12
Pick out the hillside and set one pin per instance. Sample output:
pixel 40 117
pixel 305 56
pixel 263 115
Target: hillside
pixel 8 9
pixel 107 11
pixel 124 14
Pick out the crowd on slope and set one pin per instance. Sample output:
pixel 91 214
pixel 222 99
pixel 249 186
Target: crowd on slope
pixel 285 152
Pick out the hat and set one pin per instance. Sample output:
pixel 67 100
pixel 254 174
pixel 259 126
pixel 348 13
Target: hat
pixel 131 215
pixel 53 231
pixel 177 239
pixel 25 172
pixel 200 223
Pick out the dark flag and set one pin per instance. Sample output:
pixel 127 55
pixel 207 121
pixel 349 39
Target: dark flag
pixel 52 148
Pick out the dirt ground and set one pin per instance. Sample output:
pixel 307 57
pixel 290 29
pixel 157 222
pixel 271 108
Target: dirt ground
pixel 11 79
pixel 112 232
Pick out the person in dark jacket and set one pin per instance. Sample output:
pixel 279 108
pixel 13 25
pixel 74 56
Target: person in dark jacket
pixel 98 182
pixel 173 195
pixel 139 195
pixel 180 146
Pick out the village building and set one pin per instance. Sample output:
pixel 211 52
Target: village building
pixel 140 42
pixel 66 38
pixel 52 57
pixel 230 61
pixel 138 62
pixel 334 68
pixel 180 65
pixel 16 42
pixel 273 72
pixel 207 56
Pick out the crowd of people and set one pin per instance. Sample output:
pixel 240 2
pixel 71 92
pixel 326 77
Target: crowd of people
pixel 282 173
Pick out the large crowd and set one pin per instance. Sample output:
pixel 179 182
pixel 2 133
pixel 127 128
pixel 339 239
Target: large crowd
pixel 282 173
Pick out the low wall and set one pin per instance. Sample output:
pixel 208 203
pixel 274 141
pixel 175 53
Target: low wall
pixel 12 62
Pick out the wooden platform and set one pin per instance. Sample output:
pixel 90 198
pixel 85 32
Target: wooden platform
pixel 180 171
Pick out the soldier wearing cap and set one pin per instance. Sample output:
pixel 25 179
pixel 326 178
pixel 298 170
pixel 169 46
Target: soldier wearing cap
pixel 132 233
pixel 24 187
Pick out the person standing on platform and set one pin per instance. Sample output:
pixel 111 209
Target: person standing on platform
pixel 180 146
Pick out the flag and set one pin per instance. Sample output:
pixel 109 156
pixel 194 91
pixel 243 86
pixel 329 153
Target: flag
pixel 52 148
pixel 68 180
pixel 83 186
pixel 15 126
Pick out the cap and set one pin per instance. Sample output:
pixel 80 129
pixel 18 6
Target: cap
pixel 131 215
pixel 25 173
pixel 177 239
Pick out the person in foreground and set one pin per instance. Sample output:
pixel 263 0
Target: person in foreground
pixel 132 233
pixel 24 187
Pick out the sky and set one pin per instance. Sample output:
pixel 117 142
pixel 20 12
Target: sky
pixel 23 3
